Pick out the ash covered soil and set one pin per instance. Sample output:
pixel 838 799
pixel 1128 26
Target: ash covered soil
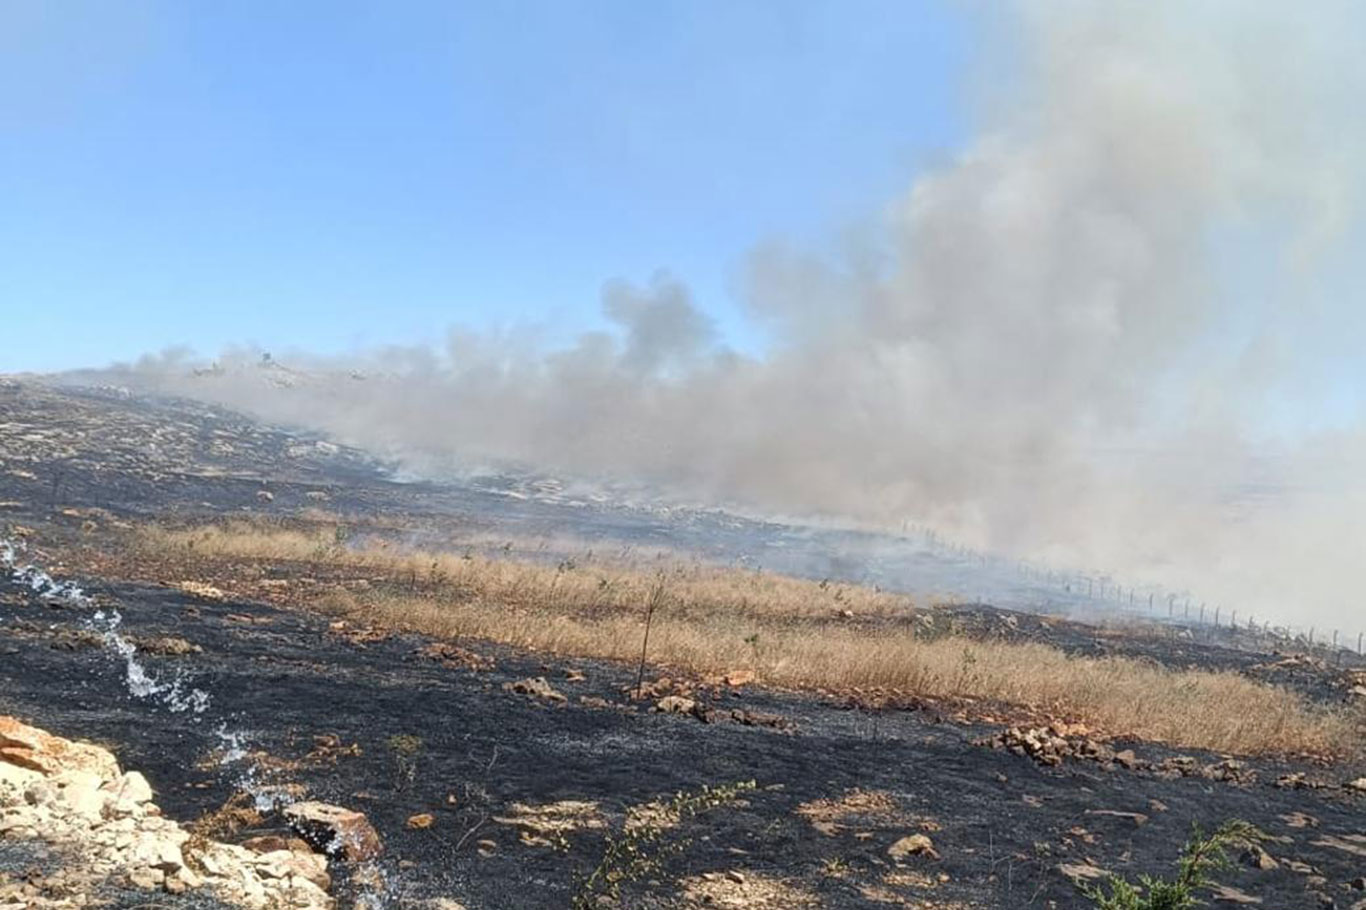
pixel 521 789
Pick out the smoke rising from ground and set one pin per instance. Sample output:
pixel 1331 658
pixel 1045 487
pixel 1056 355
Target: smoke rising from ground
pixel 1069 343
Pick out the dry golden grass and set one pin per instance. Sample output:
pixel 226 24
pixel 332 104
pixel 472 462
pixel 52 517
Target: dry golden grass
pixel 790 632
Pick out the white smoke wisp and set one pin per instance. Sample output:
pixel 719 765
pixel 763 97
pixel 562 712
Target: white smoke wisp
pixel 1068 344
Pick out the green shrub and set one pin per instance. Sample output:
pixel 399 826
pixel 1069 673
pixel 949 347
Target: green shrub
pixel 640 850
pixel 1202 855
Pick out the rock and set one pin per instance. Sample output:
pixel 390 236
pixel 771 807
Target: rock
pixel 79 792
pixel 913 845
pixel 126 795
pixel 1358 884
pixel 1126 758
pixel 536 687
pixel 1258 858
pixel 421 821
pixel 145 878
pixel 17 778
pixel 281 864
pixel 168 646
pixel 158 850
pixel 334 830
pixel 1359 785
pixel 1138 818
pixel 271 843
pixel 738 678
pixel 1230 895
pixel 675 704
pixel 29 747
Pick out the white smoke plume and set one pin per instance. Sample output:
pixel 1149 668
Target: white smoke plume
pixel 1077 341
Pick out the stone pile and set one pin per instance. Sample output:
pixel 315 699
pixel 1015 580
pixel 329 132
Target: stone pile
pixel 74 797
pixel 1057 742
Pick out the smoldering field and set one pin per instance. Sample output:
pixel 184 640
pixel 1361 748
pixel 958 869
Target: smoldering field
pixel 1113 333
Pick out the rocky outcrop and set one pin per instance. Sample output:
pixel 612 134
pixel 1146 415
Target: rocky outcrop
pixel 335 831
pixel 1057 742
pixel 75 797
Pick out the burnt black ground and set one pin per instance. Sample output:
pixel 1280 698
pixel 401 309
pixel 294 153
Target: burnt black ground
pixel 284 682
pixel 1004 824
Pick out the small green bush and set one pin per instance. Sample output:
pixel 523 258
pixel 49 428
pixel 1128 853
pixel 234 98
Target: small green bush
pixel 640 850
pixel 1202 855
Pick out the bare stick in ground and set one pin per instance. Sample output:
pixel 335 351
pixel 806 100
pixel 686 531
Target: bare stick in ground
pixel 656 595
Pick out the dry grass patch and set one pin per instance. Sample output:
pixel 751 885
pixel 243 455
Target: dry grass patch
pixel 747 890
pixel 790 632
pixel 855 808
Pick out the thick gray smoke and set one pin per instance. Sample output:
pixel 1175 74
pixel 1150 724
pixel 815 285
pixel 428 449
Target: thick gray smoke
pixel 1076 342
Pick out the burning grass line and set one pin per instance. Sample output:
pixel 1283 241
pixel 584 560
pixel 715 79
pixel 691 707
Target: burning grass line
pixel 791 632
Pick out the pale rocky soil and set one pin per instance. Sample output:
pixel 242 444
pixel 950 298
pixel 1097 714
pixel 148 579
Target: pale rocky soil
pixel 107 832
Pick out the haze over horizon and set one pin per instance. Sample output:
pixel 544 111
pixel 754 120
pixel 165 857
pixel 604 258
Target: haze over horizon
pixel 1065 281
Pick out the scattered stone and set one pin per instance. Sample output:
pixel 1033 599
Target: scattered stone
pixel 536 687
pixel 334 830
pixel 73 796
pixel 1258 858
pixel 760 719
pixel 1359 785
pixel 273 843
pixel 421 821
pixel 1229 895
pixel 1300 820
pixel 675 704
pixel 1138 818
pixel 1299 781
pixel 201 590
pixel 455 657
pixel 167 646
pixel 913 845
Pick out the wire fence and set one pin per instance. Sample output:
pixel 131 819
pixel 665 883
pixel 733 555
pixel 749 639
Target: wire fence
pixel 1044 588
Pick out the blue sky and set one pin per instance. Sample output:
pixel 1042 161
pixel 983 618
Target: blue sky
pixel 331 175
